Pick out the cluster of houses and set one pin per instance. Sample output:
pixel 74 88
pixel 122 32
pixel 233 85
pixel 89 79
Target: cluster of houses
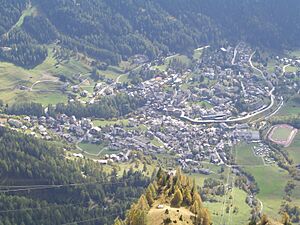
pixel 230 90
pixel 262 150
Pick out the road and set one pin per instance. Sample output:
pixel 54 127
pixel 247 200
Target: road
pixel 118 78
pixel 234 54
pixel 201 48
pixel 251 64
pixel 239 119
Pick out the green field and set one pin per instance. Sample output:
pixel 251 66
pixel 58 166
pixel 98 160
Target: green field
pixel 93 149
pixel 290 108
pixel 11 76
pixel 181 58
pixel 271 181
pixel 294 149
pixel 197 54
pixel 245 155
pixel 235 198
pixel 281 133
pixel 238 200
pixel 295 53
pixel 27 12
pixel 112 72
pixel 103 123
pixel 291 69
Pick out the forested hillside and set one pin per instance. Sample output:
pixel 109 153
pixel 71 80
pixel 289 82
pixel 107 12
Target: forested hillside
pixel 110 31
pixel 40 186
pixel 169 193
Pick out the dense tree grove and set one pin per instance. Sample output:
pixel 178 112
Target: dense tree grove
pixel 26 162
pixel 10 12
pixel 107 107
pixel 24 108
pixel 174 188
pixel 113 30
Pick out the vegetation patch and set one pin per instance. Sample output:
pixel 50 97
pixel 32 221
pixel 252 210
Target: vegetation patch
pixel 245 155
pixel 93 149
pixel 271 189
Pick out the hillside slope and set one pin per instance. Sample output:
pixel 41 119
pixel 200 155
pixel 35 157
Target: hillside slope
pixel 171 199
pixel 39 185
pixel 110 31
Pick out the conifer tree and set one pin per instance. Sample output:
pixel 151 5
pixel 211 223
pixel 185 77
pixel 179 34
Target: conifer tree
pixel 118 222
pixel 149 197
pixel 286 219
pixel 177 199
pixel 187 197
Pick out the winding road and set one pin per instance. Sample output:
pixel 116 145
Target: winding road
pixel 239 119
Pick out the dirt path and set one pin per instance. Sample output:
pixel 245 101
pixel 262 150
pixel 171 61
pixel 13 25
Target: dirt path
pixel 43 81
pixel 284 69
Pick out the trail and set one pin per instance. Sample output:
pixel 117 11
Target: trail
pixel 261 205
pixel 284 69
pixel 118 78
pixel 43 81
pixel 234 54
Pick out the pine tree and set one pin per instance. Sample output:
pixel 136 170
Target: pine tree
pixel 118 222
pixel 264 220
pixel 286 219
pixel 143 203
pixel 177 199
pixel 149 197
pixel 187 197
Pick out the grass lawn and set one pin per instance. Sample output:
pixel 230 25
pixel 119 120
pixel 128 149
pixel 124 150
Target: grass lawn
pixel 294 149
pixel 291 69
pixel 290 108
pixel 156 142
pixel 271 66
pixel 92 149
pixel 112 72
pixel 238 200
pixel 271 181
pixel 281 133
pixel 103 123
pixel 127 165
pixel 203 104
pixel 27 12
pixel 295 53
pixel 199 178
pixel 197 53
pixel 50 98
pixel 245 155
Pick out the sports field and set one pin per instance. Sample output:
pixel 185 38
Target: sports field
pixel 282 134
